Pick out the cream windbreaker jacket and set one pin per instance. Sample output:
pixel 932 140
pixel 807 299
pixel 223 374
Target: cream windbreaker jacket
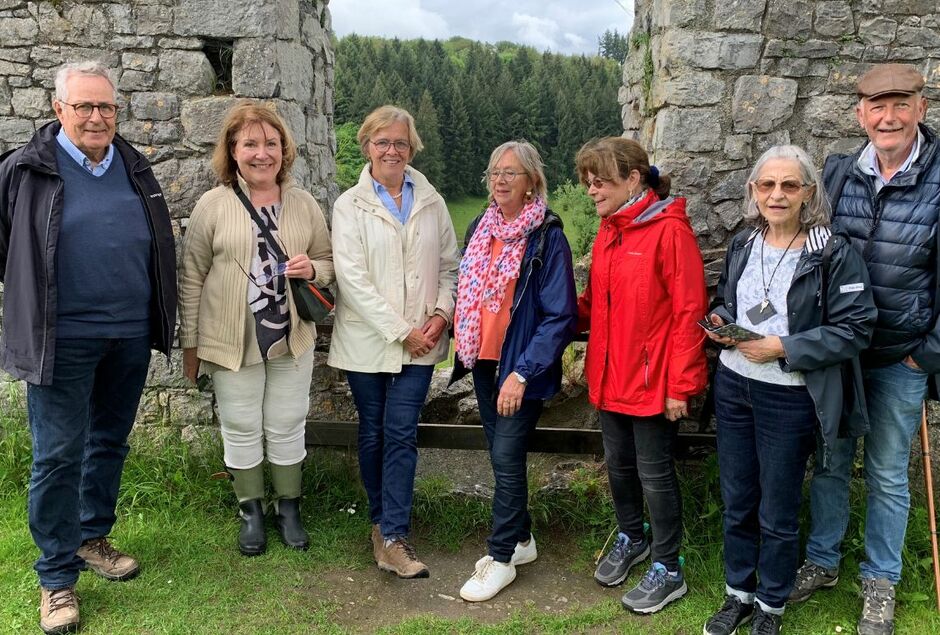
pixel 390 277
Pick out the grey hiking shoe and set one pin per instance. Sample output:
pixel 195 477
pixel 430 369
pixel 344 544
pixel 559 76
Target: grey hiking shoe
pixel 655 590
pixel 811 577
pixel 878 607
pixel 615 566
pixel 732 614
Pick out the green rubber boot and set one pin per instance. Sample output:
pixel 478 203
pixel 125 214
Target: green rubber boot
pixel 249 488
pixel 286 480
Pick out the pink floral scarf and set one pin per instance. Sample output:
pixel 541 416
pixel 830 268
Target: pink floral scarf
pixel 480 285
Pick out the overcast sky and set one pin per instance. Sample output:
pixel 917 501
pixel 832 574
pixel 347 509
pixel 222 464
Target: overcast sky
pixel 562 26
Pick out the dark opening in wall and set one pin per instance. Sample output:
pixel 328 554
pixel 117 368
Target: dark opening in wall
pixel 219 53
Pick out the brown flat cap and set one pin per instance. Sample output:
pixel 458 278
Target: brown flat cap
pixel 890 79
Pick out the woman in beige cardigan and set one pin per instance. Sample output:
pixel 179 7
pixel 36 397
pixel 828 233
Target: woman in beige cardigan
pixel 396 270
pixel 237 316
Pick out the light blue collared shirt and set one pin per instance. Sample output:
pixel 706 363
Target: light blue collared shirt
pixel 407 198
pixel 868 162
pixel 81 158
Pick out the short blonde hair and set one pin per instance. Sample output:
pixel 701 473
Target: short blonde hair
pixel 245 113
pixel 529 159
pixel 383 117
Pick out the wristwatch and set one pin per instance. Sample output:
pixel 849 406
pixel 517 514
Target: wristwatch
pixel 522 380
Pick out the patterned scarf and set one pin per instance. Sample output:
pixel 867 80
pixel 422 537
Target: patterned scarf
pixel 482 285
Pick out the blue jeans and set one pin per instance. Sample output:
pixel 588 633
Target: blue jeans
pixel 895 396
pixel 766 433
pixel 389 405
pixel 639 452
pixel 79 425
pixel 508 440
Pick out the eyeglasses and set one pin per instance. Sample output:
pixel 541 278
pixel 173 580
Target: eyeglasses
pixel 766 186
pixel 597 183
pixel 507 175
pixel 279 268
pixel 383 145
pixel 85 110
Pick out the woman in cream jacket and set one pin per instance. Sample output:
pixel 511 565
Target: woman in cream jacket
pixel 237 315
pixel 396 264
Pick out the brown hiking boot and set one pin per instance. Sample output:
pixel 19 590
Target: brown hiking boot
pixel 106 561
pixel 398 556
pixel 58 610
pixel 377 542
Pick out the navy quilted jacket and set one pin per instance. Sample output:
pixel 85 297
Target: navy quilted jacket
pixel 896 231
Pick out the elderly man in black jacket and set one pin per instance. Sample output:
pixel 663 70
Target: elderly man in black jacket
pixel 886 198
pixel 88 266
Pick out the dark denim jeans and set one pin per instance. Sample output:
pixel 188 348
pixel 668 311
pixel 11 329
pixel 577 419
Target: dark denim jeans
pixel 79 426
pixel 508 440
pixel 389 405
pixel 639 454
pixel 766 433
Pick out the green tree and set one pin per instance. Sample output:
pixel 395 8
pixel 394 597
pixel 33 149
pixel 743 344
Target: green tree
pixel 613 45
pixel 349 159
pixel 429 161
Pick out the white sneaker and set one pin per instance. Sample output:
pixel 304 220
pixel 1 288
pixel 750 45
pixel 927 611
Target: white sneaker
pixel 525 553
pixel 490 578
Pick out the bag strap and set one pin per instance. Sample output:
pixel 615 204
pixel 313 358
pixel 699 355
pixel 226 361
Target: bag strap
pixel 256 217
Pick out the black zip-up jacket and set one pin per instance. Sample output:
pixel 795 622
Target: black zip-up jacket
pixel 30 216
pixel 897 230
pixel 815 349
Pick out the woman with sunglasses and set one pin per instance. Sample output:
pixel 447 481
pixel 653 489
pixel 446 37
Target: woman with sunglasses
pixel 804 294
pixel 396 268
pixel 237 315
pixel 516 313
pixel 645 357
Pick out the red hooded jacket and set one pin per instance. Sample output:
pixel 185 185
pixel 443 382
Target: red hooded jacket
pixel 645 292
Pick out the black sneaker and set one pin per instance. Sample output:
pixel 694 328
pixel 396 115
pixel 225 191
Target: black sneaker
pixel 615 566
pixel 811 577
pixel 732 614
pixel 655 590
pixel 765 623
pixel 878 608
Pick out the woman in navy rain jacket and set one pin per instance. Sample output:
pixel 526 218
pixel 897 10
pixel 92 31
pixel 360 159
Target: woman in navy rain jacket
pixel 516 313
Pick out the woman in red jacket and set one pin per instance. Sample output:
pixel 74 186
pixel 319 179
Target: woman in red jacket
pixel 645 356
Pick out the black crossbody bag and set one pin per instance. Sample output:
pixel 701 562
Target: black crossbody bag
pixel 313 303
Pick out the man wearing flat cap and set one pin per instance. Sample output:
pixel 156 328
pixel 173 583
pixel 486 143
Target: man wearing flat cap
pixel 886 198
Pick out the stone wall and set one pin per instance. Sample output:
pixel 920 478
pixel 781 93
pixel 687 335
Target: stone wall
pixel 178 65
pixel 709 85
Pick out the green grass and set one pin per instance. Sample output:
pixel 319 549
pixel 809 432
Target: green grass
pixel 464 210
pixel 181 524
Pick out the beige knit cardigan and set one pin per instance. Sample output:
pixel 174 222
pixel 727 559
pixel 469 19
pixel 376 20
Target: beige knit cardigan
pixel 213 290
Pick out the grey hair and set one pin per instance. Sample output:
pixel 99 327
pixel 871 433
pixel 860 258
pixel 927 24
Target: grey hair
pixel 92 68
pixel 529 159
pixel 815 212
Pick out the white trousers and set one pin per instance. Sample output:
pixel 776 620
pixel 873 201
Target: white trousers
pixel 265 402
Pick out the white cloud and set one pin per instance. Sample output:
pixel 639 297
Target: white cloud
pixel 404 19
pixel 538 32
pixel 563 26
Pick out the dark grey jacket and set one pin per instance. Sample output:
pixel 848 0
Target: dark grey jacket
pixel 812 348
pixel 30 215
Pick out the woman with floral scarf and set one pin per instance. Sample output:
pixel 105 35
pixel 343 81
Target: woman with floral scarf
pixel 516 312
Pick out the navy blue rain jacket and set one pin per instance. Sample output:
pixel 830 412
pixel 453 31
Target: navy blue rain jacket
pixel 544 313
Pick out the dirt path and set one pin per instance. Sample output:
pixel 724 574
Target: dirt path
pixel 369 599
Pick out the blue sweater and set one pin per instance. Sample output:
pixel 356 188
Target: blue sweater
pixel 102 256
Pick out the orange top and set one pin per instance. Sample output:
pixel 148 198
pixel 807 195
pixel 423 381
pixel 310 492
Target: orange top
pixel 493 325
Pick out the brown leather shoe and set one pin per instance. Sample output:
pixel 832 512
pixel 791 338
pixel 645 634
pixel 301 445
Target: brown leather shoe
pixel 58 610
pixel 399 558
pixel 106 561
pixel 377 542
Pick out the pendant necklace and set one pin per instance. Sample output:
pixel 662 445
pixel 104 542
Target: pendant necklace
pixel 764 310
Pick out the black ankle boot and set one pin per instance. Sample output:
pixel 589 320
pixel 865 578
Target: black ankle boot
pixel 252 540
pixel 289 525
